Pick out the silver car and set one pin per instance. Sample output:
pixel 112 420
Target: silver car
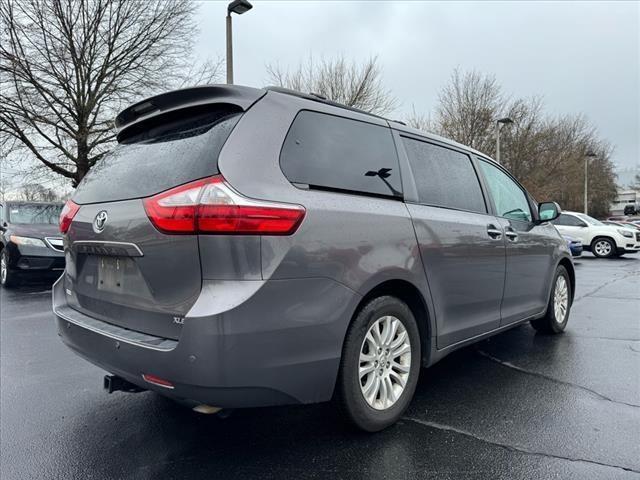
pixel 246 247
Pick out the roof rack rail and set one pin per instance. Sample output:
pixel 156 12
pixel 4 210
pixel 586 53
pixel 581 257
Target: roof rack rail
pixel 321 97
pixel 316 97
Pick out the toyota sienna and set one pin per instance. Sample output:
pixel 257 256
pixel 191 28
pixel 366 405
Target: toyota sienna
pixel 247 247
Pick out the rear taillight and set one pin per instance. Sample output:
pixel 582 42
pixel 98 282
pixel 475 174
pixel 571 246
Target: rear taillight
pixel 211 206
pixel 66 215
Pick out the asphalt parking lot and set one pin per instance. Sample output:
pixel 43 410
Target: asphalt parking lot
pixel 519 405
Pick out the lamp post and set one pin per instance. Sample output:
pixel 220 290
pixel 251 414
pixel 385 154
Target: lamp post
pixel 239 7
pixel 587 156
pixel 503 121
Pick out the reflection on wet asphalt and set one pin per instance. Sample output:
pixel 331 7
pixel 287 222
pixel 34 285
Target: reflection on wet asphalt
pixel 518 405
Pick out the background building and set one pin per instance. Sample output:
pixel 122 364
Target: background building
pixel 624 198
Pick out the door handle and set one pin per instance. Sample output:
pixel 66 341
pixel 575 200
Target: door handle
pixel 494 232
pixel 510 234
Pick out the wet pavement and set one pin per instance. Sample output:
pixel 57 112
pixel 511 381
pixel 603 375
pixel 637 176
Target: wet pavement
pixel 518 406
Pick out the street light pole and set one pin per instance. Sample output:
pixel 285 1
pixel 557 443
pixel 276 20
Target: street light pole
pixel 239 7
pixel 498 142
pixel 504 121
pixel 229 50
pixel 587 156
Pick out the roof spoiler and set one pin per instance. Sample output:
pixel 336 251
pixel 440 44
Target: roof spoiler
pixel 242 97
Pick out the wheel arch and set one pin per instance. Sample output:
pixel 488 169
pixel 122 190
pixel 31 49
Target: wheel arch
pixel 602 236
pixel 411 295
pixel 568 265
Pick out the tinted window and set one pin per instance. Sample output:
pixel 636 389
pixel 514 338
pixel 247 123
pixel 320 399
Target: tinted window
pixel 337 153
pixel 444 177
pixel 568 221
pixel 33 214
pixel 588 219
pixel 159 158
pixel 508 197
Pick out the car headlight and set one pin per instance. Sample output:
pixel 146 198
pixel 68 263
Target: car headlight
pixel 625 233
pixel 27 241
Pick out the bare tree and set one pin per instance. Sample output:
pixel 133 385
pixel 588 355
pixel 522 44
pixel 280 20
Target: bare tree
pixel 555 166
pixel 419 121
pixel 353 84
pixel 35 192
pixel 546 154
pixel 467 108
pixel 68 66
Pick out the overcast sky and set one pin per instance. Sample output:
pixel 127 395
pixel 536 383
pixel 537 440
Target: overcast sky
pixel 582 57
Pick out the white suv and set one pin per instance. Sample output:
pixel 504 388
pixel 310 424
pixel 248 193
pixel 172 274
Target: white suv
pixel 600 239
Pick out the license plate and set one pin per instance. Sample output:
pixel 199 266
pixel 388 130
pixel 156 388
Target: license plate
pixel 111 274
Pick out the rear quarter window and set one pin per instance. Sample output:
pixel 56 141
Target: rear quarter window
pixel 159 157
pixel 335 153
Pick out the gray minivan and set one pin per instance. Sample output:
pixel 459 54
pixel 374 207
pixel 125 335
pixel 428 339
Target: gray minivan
pixel 247 247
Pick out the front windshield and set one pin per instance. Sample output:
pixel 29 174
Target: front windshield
pixel 590 220
pixel 33 213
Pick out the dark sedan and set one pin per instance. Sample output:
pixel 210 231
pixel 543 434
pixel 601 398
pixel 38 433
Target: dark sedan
pixel 30 242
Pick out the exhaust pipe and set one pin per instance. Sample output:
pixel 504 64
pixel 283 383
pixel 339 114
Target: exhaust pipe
pixel 206 409
pixel 221 413
pixel 113 383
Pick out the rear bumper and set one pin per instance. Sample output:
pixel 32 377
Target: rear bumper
pixel 280 343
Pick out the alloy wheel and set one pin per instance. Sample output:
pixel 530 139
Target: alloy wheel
pixel 561 299
pixel 385 362
pixel 603 248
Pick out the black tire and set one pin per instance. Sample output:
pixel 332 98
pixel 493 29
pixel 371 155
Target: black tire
pixel 349 394
pixel 8 280
pixel 550 322
pixel 605 246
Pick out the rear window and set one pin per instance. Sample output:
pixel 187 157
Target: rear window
pixel 444 177
pixel 33 214
pixel 334 153
pixel 158 157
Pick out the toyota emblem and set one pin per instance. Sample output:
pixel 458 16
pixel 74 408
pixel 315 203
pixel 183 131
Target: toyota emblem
pixel 100 221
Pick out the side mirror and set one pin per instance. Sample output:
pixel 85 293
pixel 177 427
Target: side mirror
pixel 548 211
